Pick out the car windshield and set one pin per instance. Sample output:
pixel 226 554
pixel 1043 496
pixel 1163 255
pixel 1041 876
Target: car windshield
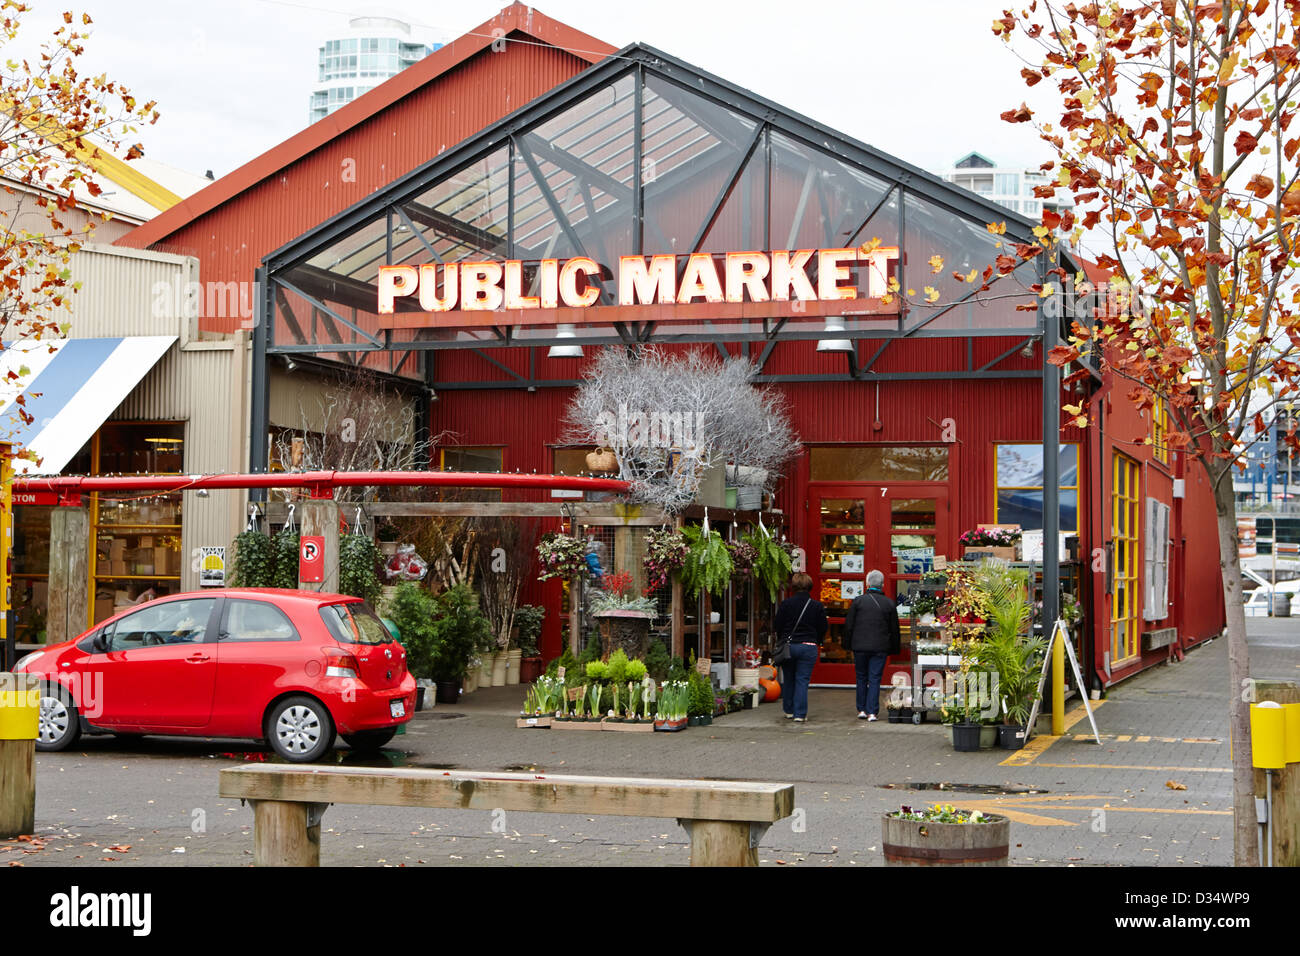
pixel 354 623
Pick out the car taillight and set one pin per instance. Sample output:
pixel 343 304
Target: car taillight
pixel 340 664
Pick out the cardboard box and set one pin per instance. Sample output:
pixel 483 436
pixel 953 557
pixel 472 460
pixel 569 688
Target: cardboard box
pixel 146 541
pixel 117 547
pixel 103 608
pixel 162 563
pixel 117 567
pixel 977 552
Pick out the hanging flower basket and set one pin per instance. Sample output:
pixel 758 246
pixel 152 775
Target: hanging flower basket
pixel 560 555
pixel 665 553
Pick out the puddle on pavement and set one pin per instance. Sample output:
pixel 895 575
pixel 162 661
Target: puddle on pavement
pixel 522 768
pixel 989 789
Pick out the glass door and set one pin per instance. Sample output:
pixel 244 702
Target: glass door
pixel 895 529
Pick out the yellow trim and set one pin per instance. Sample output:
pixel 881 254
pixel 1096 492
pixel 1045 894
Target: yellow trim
pixel 1039 744
pixel 1126 534
pixel 100 160
pixel 1160 431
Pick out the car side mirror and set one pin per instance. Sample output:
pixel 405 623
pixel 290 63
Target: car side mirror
pixel 99 643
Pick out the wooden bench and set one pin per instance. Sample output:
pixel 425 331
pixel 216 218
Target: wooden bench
pixel 724 820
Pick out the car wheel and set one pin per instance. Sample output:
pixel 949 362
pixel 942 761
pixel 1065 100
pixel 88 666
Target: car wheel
pixel 299 729
pixel 58 727
pixel 369 739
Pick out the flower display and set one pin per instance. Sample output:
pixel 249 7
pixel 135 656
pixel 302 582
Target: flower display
pixel 665 553
pixel 560 555
pixel 941 813
pixel 991 538
pixel 743 555
pixel 746 656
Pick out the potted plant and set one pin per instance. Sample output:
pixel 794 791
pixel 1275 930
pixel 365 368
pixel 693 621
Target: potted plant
pixel 745 660
pixel 458 628
pixel 665 553
pixel 943 835
pixel 770 562
pixel 702 703
pixel 708 566
pixel 923 608
pixel 625 616
pixel 1008 649
pixel 528 619
pixel 1001 543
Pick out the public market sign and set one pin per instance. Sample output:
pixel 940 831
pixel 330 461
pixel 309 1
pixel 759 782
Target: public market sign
pixel 780 276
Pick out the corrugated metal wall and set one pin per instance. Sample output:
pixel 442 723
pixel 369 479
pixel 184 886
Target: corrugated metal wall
pixel 128 292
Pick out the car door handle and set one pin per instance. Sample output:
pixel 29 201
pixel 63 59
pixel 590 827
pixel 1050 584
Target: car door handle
pixel 197 658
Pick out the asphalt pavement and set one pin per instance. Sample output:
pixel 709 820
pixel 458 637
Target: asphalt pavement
pixel 1157 791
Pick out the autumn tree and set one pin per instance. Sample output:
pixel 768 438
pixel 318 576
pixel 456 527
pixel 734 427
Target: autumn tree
pixel 53 123
pixel 1172 139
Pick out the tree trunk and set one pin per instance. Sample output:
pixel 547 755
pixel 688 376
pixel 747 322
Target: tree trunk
pixel 1244 827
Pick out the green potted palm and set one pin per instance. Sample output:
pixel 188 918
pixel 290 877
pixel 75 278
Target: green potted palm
pixel 1008 649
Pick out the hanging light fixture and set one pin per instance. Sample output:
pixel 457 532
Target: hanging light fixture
pixel 564 331
pixel 834 324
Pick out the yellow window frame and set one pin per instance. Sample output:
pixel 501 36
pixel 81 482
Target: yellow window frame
pixel 1160 430
pixel 1125 533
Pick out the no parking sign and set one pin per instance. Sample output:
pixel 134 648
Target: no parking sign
pixel 311 559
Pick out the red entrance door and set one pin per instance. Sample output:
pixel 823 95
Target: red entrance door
pixel 856 528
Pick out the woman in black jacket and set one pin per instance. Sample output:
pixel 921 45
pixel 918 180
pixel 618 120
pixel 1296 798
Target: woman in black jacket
pixel 804 620
pixel 871 628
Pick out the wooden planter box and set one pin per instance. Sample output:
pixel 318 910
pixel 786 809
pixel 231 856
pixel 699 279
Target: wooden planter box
pixel 577 724
pixel 625 726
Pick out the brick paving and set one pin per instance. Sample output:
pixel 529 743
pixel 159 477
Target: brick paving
pixel 1073 804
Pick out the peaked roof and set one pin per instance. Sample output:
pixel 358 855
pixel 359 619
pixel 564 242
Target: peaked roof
pixel 516 18
pixel 894 171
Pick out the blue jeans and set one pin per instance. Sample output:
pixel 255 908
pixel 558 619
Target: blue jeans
pixel 797 675
pixel 870 668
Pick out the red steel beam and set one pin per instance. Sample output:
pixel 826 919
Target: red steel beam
pixel 316 481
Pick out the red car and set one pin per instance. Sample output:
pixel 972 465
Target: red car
pixel 289 667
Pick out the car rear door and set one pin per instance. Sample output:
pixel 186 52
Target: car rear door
pixel 381 659
pixel 160 667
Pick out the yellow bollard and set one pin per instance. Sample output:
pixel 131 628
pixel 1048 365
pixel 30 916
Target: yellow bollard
pixel 20 709
pixel 1058 684
pixel 1268 735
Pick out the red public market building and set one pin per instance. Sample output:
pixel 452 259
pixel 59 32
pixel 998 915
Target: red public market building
pixel 918 422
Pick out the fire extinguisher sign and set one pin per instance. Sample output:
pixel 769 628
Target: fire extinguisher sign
pixel 311 559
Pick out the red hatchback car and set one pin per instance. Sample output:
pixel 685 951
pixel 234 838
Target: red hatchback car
pixel 292 668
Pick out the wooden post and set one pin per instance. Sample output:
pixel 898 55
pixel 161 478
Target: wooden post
pixel 320 516
pixel 1286 784
pixel 720 843
pixel 281 836
pixel 69 601
pixel 19 722
pixel 575 613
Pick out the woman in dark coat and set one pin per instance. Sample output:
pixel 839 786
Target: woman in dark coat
pixel 804 620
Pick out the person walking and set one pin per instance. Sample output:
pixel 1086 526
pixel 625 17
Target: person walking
pixel 804 621
pixel 871 627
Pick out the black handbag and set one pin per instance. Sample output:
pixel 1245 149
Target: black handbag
pixel 781 646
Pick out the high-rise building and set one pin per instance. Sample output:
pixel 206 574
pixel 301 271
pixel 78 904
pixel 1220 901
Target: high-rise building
pixel 375 49
pixel 1010 186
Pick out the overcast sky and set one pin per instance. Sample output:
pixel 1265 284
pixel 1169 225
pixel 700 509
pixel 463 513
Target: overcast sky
pixel 923 80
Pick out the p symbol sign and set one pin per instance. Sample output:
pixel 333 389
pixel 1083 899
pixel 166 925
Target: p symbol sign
pixel 311 559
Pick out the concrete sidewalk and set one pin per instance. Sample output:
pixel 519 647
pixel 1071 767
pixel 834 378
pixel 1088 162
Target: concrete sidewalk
pixel 1157 791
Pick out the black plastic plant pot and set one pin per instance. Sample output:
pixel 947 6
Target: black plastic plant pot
pixel 448 691
pixel 965 738
pixel 1011 737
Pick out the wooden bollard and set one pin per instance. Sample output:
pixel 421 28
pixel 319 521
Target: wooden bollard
pixel 20 710
pixel 1286 784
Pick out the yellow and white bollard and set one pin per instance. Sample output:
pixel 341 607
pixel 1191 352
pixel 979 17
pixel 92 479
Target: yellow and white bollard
pixel 20 712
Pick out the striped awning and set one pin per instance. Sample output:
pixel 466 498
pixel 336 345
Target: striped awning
pixel 69 388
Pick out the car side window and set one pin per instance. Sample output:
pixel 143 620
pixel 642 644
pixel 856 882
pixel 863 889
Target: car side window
pixel 172 622
pixel 256 621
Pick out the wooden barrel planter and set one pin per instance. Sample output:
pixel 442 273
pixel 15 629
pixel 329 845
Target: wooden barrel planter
pixel 909 843
pixel 626 630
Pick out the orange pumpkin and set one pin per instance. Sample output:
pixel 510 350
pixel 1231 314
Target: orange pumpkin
pixel 771 689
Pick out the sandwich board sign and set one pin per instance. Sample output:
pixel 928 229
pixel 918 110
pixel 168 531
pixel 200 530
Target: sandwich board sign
pixel 1060 632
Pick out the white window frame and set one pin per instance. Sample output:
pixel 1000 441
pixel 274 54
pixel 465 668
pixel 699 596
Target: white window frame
pixel 1156 561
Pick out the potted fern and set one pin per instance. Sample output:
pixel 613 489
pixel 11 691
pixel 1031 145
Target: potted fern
pixel 1008 648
